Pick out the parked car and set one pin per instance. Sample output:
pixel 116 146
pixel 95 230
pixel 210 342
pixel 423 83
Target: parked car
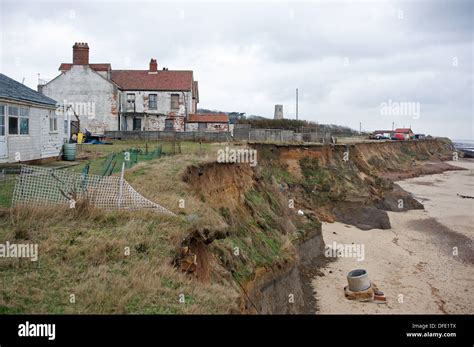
pixel 380 137
pixel 398 136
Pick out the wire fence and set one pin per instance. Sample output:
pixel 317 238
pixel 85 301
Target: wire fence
pixel 113 162
pixel 44 186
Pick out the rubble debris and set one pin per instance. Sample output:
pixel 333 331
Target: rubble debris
pixel 372 294
pixel 465 196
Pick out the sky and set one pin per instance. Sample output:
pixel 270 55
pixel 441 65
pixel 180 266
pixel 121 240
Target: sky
pixel 368 65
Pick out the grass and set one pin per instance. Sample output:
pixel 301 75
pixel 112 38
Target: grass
pixel 6 192
pixel 85 256
pixel 82 251
pixel 259 235
pixel 96 154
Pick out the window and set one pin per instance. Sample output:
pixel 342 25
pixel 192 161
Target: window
pixel 13 120
pixel 131 101
pixel 24 121
pixel 53 121
pixel 152 102
pixel 137 124
pixel 169 124
pixel 18 120
pixel 174 101
pixel 2 120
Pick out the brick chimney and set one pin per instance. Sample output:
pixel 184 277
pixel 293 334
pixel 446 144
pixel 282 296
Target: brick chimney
pixel 153 66
pixel 80 53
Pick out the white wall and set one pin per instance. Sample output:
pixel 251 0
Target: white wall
pixel 163 102
pixel 210 127
pixel 52 142
pixel 39 143
pixel 82 85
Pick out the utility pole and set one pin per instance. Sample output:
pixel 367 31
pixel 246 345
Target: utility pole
pixel 360 127
pixel 296 103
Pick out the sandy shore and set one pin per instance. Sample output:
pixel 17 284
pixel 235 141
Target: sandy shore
pixel 413 263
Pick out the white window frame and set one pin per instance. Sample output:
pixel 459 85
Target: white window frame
pixel 23 116
pixel 53 122
pixel 174 95
pixel 5 119
pixel 155 96
pixel 17 116
pixel 131 99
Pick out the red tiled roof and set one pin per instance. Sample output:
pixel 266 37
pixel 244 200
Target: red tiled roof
pixel 96 67
pixel 403 130
pixel 208 118
pixel 162 80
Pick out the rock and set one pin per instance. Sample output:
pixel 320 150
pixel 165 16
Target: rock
pixel 361 216
pixel 398 200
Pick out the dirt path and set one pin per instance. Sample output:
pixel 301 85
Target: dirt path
pixel 415 263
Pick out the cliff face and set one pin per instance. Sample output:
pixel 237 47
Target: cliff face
pixel 353 183
pixel 272 244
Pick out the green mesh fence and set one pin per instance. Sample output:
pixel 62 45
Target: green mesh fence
pixel 113 162
pixel 42 186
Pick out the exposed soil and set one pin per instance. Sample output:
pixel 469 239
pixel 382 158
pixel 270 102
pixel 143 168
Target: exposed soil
pixel 363 217
pixel 272 211
pixel 429 168
pixel 398 200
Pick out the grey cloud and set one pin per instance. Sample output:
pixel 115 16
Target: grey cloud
pixel 247 57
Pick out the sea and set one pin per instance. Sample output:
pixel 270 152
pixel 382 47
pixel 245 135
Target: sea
pixel 464 145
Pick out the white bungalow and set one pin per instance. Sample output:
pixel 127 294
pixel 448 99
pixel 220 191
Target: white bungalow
pixel 30 128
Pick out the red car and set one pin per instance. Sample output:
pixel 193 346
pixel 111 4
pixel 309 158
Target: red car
pixel 398 136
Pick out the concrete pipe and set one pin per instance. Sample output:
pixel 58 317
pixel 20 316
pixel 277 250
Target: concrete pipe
pixel 358 280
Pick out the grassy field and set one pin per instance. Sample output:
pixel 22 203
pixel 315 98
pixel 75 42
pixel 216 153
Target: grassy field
pixel 96 155
pixel 118 261
pixel 123 262
pixel 84 254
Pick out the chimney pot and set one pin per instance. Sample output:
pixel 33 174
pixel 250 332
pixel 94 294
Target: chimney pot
pixel 80 53
pixel 153 66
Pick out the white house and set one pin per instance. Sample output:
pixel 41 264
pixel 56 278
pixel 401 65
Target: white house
pixel 30 127
pixel 106 99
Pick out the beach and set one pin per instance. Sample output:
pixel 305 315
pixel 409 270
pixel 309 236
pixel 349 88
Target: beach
pixel 423 264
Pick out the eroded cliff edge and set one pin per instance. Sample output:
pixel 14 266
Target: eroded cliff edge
pixel 271 243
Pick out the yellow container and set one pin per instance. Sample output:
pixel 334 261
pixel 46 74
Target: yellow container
pixel 80 137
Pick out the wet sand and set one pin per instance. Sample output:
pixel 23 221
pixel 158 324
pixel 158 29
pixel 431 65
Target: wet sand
pixel 424 264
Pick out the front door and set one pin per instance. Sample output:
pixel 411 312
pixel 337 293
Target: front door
pixel 137 124
pixel 3 141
